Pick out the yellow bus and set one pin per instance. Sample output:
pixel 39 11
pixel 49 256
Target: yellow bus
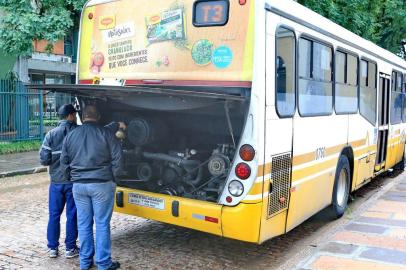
pixel 244 117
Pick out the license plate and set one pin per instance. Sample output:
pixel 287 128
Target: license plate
pixel 146 201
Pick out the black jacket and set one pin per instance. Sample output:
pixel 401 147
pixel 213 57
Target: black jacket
pixel 52 148
pixel 91 154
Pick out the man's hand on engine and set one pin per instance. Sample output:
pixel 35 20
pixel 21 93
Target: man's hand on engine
pixel 122 125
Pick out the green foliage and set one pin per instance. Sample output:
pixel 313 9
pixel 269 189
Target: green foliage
pixel 26 20
pixel 380 21
pixel 46 122
pixel 18 147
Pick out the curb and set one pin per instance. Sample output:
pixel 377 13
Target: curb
pixel 23 172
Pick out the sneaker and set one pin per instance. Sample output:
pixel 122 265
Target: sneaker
pixel 72 253
pixel 114 266
pixel 53 253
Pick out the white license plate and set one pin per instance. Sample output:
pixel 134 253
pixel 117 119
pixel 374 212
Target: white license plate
pixel 146 201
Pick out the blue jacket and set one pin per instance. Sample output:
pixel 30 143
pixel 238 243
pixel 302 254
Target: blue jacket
pixel 91 154
pixel 51 150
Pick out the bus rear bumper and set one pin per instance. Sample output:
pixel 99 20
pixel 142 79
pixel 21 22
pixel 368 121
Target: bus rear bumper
pixel 241 222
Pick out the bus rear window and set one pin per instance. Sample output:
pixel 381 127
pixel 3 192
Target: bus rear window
pixel 210 13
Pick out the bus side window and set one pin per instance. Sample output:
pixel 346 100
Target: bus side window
pixel 285 72
pixel 346 87
pixel 396 98
pixel 367 103
pixel 315 78
pixel 404 99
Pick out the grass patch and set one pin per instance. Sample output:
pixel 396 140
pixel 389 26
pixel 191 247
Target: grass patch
pixel 19 147
pixel 47 122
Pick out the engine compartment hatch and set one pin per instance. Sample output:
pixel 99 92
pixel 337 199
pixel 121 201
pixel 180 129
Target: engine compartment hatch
pixel 179 141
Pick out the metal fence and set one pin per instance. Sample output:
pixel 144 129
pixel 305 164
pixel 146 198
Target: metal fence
pixel 20 112
pixel 27 114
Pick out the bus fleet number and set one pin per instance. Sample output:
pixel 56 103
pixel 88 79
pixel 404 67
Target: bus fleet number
pixel 320 153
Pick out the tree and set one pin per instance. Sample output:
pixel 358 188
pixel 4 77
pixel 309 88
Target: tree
pixel 23 21
pixel 380 21
pixel 392 25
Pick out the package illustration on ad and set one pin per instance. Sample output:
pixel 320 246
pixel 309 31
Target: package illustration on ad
pixel 168 25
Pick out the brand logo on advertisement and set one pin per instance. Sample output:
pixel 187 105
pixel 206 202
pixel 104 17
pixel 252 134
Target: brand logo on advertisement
pixel 154 19
pixel 107 22
pixel 121 31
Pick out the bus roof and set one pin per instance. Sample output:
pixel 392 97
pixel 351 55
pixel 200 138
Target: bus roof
pixel 98 2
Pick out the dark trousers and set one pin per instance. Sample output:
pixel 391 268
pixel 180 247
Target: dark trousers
pixel 59 195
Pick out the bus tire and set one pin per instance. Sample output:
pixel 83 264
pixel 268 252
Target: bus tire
pixel 341 190
pixel 400 167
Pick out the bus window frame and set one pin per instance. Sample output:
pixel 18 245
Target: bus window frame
pixel 404 83
pixel 398 91
pixel 287 27
pixel 369 60
pixel 398 72
pixel 346 51
pixel 195 24
pixel 404 97
pixel 331 46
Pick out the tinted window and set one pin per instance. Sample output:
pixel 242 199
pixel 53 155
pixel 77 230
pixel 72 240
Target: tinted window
pixel 394 77
pixel 346 89
pixel 371 75
pixel 396 107
pixel 404 83
pixel 396 98
pixel 285 72
pixel 367 103
pixel 404 99
pixel 399 82
pixel 315 82
pixel 322 58
pixel 340 67
pixel 364 73
pixel 305 51
pixel 352 70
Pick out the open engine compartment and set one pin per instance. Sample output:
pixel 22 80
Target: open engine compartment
pixel 176 145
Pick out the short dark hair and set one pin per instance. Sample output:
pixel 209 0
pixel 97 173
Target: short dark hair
pixel 91 112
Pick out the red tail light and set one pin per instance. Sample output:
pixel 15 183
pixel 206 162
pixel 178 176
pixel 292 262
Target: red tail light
pixel 247 152
pixel 243 171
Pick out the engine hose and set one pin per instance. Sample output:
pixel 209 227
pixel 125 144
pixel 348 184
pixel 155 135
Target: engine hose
pixel 198 178
pixel 188 165
pixel 169 158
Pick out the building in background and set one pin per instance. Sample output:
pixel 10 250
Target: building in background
pixel 27 115
pixel 57 67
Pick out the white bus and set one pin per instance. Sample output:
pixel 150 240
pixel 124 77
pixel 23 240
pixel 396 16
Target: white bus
pixel 244 117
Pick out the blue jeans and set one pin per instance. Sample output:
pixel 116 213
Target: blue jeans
pixel 95 200
pixel 59 195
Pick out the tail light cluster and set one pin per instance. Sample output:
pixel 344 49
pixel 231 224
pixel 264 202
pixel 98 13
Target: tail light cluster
pixel 242 171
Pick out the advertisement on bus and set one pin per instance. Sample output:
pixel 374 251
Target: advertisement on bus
pixel 167 40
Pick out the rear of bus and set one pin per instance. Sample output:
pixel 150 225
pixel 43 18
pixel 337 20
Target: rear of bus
pixel 179 73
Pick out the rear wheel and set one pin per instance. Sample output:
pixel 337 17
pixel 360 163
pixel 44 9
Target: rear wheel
pixel 341 190
pixel 401 165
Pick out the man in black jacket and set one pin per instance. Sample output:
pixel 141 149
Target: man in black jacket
pixel 60 191
pixel 92 160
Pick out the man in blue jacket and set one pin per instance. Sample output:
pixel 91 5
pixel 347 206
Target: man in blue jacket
pixel 60 190
pixel 92 159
